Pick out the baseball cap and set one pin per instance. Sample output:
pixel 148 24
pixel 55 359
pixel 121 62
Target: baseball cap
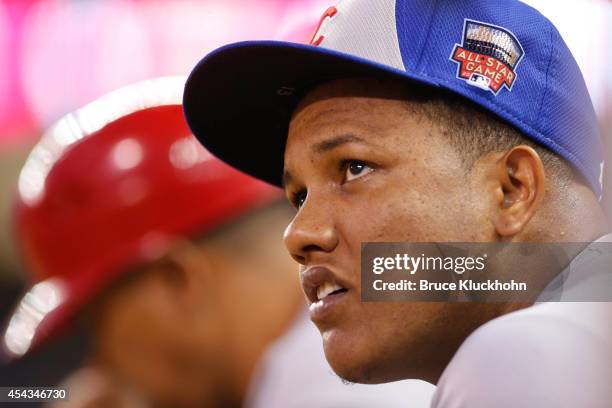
pixel 110 186
pixel 504 56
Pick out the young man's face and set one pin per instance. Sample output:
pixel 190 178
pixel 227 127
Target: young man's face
pixel 364 166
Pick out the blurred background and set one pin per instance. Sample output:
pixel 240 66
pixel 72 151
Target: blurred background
pixel 57 55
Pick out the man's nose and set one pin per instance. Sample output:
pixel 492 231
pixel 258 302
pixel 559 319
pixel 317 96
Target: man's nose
pixel 311 232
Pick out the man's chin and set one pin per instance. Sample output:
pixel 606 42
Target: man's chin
pixel 352 361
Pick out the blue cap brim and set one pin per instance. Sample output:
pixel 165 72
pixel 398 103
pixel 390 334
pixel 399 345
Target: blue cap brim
pixel 239 99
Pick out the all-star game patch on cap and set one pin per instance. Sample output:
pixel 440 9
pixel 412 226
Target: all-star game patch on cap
pixel 502 55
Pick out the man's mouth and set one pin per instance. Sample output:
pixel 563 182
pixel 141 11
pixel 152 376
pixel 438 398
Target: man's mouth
pixel 323 290
pixel 329 289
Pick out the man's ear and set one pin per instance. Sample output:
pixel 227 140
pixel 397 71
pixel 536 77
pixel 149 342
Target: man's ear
pixel 189 272
pixel 522 186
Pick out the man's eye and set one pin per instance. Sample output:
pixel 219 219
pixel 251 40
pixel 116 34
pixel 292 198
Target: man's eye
pixel 356 169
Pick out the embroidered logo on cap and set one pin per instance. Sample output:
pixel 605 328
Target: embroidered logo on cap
pixel 487 57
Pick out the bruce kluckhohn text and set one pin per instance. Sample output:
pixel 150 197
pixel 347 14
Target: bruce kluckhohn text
pixel 457 265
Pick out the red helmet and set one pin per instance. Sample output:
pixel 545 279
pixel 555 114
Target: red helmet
pixel 108 187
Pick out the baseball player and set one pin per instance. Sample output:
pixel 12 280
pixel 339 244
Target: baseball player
pixel 171 260
pixel 420 121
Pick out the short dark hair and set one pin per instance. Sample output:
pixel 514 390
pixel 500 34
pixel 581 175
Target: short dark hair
pixel 474 132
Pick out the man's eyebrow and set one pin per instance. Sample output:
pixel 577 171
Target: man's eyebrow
pixel 335 142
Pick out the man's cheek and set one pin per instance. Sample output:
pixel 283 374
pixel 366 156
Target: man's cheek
pixel 399 220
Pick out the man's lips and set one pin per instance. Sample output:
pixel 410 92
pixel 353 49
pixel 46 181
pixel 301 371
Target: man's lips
pixel 325 292
pixel 319 283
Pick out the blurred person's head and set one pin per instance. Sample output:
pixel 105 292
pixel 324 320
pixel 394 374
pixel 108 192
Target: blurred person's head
pixel 170 258
pixel 190 327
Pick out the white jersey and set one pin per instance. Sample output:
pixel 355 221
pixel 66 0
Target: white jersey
pixel 556 354
pixel 295 374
